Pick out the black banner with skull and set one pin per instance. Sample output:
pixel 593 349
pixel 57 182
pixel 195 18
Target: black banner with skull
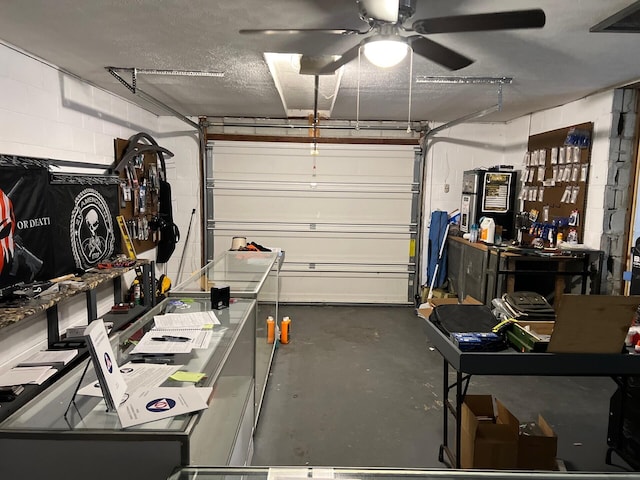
pixel 25 220
pixel 84 233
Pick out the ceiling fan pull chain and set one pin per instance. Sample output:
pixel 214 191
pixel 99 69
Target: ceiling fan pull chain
pixel 410 85
pixel 358 94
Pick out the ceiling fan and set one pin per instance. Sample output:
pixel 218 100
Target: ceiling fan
pixel 386 20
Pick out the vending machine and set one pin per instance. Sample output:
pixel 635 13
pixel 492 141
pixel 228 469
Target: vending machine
pixel 489 193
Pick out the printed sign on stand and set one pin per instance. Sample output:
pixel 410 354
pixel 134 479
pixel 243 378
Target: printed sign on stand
pixel 112 383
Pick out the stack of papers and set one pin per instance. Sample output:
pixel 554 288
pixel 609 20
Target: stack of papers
pixel 178 333
pixel 172 341
pixel 191 320
pixel 52 358
pixel 139 402
pixel 26 375
pixel 137 376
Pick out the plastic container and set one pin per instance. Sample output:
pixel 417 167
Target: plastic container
pixel 238 243
pixel 487 230
pixel 497 239
pixel 473 236
pixel 137 292
pixel 285 330
pixel 271 329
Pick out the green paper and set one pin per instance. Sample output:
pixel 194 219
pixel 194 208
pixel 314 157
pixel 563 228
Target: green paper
pixel 182 376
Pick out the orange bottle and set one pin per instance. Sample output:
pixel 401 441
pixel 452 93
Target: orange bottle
pixel 285 330
pixel 271 329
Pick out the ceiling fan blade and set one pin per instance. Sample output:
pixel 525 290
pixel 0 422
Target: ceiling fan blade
pixel 438 53
pixel 346 57
pixel 534 18
pixel 295 31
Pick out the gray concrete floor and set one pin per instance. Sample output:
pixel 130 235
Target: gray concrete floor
pixel 361 387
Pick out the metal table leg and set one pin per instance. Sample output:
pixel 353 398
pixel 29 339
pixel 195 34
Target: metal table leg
pixel 461 385
pixel 458 416
pixel 445 413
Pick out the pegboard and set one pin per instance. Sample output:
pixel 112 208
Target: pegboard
pixel 554 179
pixel 143 171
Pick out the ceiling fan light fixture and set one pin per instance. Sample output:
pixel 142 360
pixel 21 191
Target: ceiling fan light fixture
pixel 386 52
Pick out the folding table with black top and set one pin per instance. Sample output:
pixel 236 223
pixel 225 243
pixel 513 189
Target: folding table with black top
pixel 510 362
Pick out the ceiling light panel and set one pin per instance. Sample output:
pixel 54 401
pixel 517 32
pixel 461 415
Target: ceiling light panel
pixel 297 91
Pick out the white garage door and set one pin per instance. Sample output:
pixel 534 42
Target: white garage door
pixel 346 218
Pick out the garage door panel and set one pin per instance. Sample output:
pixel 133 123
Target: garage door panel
pixel 300 209
pixel 322 249
pixel 346 225
pixel 337 289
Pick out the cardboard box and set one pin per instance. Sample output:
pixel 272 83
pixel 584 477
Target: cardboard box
pixel 530 336
pixel 592 323
pixel 436 293
pixel 538 451
pixel 488 440
pixel 425 309
pixel 491 438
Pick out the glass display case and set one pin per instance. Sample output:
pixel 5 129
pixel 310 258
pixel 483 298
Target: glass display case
pixel 40 441
pixel 346 473
pixel 245 272
pixel 248 274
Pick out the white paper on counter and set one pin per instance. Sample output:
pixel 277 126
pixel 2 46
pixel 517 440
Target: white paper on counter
pixel 26 375
pixel 187 320
pixel 161 402
pixel 148 345
pixel 137 376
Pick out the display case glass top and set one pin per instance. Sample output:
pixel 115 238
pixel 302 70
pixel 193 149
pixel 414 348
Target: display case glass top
pixel 336 473
pixel 46 413
pixel 243 271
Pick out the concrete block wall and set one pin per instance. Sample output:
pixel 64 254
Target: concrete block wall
pixel 183 173
pixel 451 152
pixel 621 175
pixel 47 113
pixel 609 176
pixel 448 154
pixel 597 109
pixel 472 145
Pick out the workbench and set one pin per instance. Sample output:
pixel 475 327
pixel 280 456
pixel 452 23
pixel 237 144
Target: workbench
pixel 511 362
pixel 487 271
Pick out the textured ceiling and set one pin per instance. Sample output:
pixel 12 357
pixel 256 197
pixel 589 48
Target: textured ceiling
pixel 550 66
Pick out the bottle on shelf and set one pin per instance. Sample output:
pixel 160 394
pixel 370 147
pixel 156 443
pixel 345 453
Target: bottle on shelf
pixel 137 294
pixel 271 329
pixel 474 233
pixel 487 229
pixel 285 330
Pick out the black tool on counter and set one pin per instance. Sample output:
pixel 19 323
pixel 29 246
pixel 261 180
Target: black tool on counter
pixel 9 393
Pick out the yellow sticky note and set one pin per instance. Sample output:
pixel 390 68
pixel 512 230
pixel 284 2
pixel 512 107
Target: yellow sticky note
pixel 182 376
pixel 208 326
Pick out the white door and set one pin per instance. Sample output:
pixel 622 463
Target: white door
pixel 346 218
